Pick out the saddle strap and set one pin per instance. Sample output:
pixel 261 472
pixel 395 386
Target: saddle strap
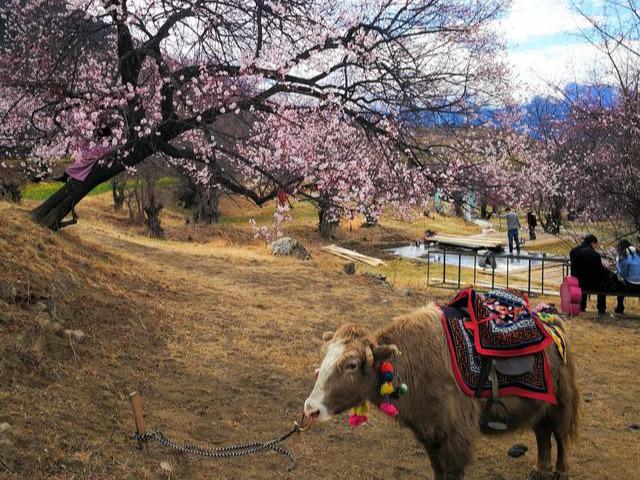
pixel 486 364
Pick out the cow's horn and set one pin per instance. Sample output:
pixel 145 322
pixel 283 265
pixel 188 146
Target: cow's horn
pixel 386 352
pixel 368 355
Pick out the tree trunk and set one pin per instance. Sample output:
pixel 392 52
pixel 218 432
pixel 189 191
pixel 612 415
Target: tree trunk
pixel 53 210
pixel 552 221
pixel 10 191
pixel 326 225
pixel 117 188
pixel 205 209
pixel 370 221
pixel 152 220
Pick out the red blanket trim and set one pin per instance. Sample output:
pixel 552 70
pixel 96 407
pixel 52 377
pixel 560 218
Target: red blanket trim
pixel 549 396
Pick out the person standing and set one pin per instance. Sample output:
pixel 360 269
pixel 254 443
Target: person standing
pixel 587 267
pixel 532 221
pixel 513 229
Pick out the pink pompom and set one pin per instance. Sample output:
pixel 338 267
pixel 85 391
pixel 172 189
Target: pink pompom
pixel 389 409
pixel 357 420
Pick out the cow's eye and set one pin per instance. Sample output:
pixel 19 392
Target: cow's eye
pixel 351 366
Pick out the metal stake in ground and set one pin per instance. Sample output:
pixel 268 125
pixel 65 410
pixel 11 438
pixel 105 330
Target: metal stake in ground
pixel 136 405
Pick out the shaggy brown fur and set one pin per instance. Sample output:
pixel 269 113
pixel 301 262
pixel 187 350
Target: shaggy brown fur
pixel 444 419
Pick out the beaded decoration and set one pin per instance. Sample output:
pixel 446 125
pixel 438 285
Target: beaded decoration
pixel 358 415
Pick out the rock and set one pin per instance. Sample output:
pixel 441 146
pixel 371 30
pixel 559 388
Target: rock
pixel 4 426
pixel 404 292
pixel 75 334
pixel 349 268
pixel 41 306
pixel 165 467
pixel 377 278
pixel 633 427
pixel 518 450
pixel 287 246
pixel 8 292
pixel 588 398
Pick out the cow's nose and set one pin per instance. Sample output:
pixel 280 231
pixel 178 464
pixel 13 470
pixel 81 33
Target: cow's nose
pixel 310 409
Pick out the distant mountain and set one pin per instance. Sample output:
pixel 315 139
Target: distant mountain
pixel 539 107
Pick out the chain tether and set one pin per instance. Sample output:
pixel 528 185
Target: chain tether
pixel 232 451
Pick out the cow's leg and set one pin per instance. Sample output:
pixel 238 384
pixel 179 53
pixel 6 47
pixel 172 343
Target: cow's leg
pixel 562 462
pixel 451 458
pixel 436 464
pixel 543 438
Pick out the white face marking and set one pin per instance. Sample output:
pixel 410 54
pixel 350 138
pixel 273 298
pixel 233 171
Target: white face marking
pixel 315 402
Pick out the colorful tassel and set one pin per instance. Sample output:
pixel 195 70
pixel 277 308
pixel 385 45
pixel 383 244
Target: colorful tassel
pixel 358 415
pixel 357 420
pixel 386 377
pixel 389 409
pixel 386 367
pixel 386 389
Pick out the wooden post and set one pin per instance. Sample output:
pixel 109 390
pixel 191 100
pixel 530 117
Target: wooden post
pixel 136 406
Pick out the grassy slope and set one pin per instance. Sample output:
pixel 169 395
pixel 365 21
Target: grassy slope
pixel 43 190
pixel 222 340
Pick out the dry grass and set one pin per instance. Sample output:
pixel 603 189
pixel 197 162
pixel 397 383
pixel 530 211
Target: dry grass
pixel 222 339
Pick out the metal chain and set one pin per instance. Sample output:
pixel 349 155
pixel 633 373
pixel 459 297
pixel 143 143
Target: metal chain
pixel 232 451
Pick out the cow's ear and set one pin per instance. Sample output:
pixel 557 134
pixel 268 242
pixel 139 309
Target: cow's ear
pixel 384 353
pixel 326 336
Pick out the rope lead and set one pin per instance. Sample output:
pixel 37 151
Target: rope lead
pixel 231 451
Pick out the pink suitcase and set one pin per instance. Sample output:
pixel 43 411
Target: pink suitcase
pixel 570 296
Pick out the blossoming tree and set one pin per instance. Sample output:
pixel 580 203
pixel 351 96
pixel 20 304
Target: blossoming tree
pixel 163 75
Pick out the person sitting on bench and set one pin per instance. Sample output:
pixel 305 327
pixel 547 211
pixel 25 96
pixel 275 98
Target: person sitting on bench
pixel 628 266
pixel 592 275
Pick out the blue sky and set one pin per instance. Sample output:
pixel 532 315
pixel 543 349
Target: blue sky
pixel 545 46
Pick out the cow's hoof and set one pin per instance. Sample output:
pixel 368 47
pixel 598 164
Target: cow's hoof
pixel 560 475
pixel 541 475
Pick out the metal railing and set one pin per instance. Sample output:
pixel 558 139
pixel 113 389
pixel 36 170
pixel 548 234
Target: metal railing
pixel 536 266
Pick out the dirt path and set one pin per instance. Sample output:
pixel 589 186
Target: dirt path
pixel 223 347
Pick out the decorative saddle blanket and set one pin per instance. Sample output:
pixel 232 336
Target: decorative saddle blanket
pixel 498 328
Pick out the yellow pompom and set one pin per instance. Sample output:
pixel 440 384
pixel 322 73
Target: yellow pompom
pixel 386 388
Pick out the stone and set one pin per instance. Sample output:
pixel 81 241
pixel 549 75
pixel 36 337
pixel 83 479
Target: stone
pixel 8 292
pixel 588 398
pixel 41 306
pixel 287 246
pixel 633 427
pixel 4 426
pixel 382 279
pixel 518 450
pixel 349 268
pixel 75 334
pixel 166 467
pixel 404 292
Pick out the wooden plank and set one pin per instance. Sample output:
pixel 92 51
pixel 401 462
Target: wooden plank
pixel 353 255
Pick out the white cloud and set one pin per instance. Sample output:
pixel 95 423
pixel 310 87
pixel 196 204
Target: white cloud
pixel 531 19
pixel 539 70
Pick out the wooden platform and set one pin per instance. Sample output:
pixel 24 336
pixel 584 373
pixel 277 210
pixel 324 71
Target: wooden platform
pixel 472 242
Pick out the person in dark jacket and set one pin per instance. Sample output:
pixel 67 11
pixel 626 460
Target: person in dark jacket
pixel 532 221
pixel 587 267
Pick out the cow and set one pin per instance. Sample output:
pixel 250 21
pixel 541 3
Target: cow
pixel 444 419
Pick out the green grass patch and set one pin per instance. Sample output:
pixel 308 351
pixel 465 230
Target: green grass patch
pixel 43 190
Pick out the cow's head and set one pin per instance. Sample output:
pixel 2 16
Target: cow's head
pixel 347 376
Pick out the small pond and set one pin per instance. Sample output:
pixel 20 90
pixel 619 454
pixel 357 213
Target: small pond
pixel 467 258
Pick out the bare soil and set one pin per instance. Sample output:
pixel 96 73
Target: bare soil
pixel 222 340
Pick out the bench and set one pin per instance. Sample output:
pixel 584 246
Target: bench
pixel 612 294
